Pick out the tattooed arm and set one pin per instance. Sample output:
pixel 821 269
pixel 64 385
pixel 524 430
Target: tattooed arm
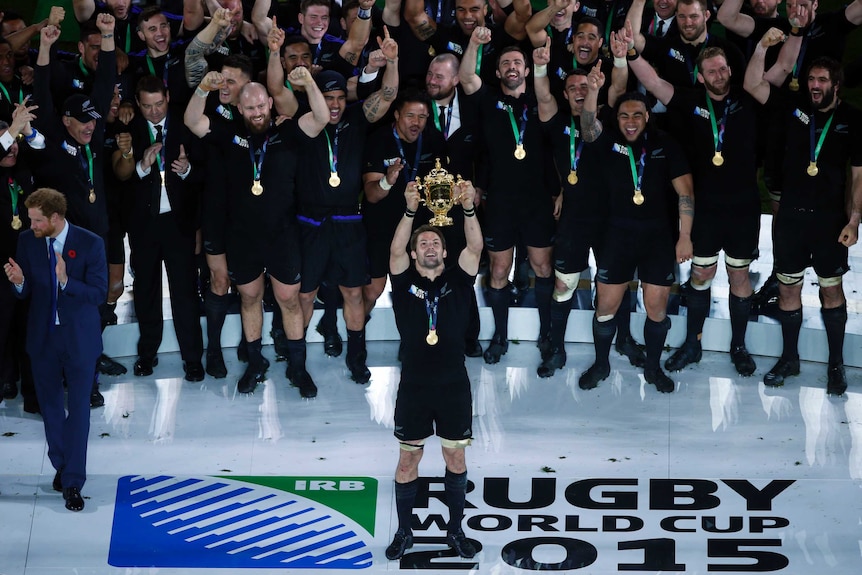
pixel 591 127
pixel 358 35
pixel 377 104
pixel 422 26
pixel 206 42
pixel 685 190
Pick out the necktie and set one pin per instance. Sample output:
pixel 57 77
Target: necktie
pixel 159 136
pixel 444 126
pixel 156 198
pixel 52 262
pixel 659 30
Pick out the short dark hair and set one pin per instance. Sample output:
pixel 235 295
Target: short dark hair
pixel 241 62
pixel 632 97
pixel 49 201
pixel 306 4
pixel 589 20
pixel 836 72
pixel 151 85
pixel 88 29
pixel 411 95
pixel 414 239
pixel 710 52
pixel 147 13
pixel 512 48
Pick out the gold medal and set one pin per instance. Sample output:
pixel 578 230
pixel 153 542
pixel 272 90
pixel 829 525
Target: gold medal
pixel 431 51
pixel 573 177
pixel 257 188
pixel 812 169
pixel 717 159
pixel 334 180
pixel 794 85
pixel 638 198
pixel 520 152
pixel 431 338
pixel 16 222
pixel 92 196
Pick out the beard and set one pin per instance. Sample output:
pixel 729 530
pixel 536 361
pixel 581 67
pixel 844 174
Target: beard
pixel 258 128
pixel 827 97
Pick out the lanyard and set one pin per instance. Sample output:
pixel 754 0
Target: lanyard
pixel 439 11
pixel 717 130
pixel 798 65
pixel 161 156
pixel 317 51
pixel 128 36
pixel 82 67
pixel 692 70
pixel 610 23
pixel 415 167
pixel 575 147
pixel 333 151
pixel 257 165
pixel 89 166
pixel 15 191
pixel 431 310
pixel 815 150
pixel 20 94
pixel 435 109
pixel 479 60
pixel 637 172
pixel 518 131
pixel 164 70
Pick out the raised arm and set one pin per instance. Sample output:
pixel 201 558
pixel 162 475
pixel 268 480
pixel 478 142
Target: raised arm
pixel 193 14
pixel 422 26
pixel 205 43
pixel 788 56
pixel 378 103
pixel 470 80
pixel 260 17
pixel 472 253
pixel 619 43
pixel 22 37
pixel 635 19
pixel 399 259
pixel 646 74
pixel 853 13
pixel 754 83
pixel 515 24
pixel 536 26
pixel 547 102
pixel 194 117
pixel 359 33
pixel 392 13
pixel 84 9
pixel 731 17
pixel 313 122
pixel 591 127
pixel 285 100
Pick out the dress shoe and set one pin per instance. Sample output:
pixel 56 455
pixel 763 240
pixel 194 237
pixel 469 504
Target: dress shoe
pixel 74 501
pixel 462 546
pixel 836 380
pixel 279 342
pixel 689 352
pixel 144 366
pixel 96 399
pixel 660 380
pixel 597 372
pixel 359 371
pixel 57 484
pixel 472 348
pixel 10 390
pixel 194 371
pixel 400 543
pixel 742 361
pixel 249 380
pixel 301 379
pixel 784 368
pixel 628 347
pixel 332 343
pixel 31 406
pixel 556 360
pixel 496 349
pixel 107 366
pixel 215 364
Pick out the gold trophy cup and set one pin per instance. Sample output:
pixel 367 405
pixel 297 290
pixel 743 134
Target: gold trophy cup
pixel 439 190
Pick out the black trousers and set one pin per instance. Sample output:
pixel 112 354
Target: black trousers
pixel 153 240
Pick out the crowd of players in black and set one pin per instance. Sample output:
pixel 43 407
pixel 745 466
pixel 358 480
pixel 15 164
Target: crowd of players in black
pixel 257 144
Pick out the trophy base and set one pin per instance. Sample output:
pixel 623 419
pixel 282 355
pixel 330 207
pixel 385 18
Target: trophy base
pixel 440 221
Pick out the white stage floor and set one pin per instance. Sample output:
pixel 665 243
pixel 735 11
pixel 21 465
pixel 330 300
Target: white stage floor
pixel 723 475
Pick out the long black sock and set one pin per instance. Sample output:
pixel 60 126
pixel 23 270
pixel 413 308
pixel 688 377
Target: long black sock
pixel 215 307
pixel 603 336
pixel 623 318
pixel 296 354
pixel 405 496
pixel 355 343
pixel 655 333
pixel 329 294
pixel 791 323
pixel 698 308
pixel 544 289
pixel 498 300
pixel 456 492
pixel 559 320
pixel 255 359
pixel 740 309
pixel 835 320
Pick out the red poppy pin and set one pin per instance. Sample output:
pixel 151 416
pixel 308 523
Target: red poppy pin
pixel 72 254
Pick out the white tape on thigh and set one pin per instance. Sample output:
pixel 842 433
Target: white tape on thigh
pixel 829 282
pixel 455 443
pixel 410 446
pixel 790 279
pixel 704 262
pixel 736 263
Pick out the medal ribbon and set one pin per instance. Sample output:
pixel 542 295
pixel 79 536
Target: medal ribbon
pixel 717 131
pixel 575 147
pixel 83 68
pixel 317 51
pixel 333 156
pixel 637 172
pixel 692 70
pixel 815 150
pixel 164 70
pixel 431 310
pixel 14 191
pixel 89 165
pixel 609 23
pixel 257 166
pixel 415 167
pixel 479 59
pixel 436 109
pixel 518 131
pixel 128 36
pixel 798 65
pixel 20 94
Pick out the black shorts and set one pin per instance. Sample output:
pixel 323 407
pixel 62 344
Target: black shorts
pixel 249 257
pixel 448 408
pixel 213 223
pixel 506 223
pixel 734 229
pixel 333 250
pixel 118 226
pixel 647 249
pixel 573 242
pixel 804 239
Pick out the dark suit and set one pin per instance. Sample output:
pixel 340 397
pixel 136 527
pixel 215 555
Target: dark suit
pixel 69 350
pixel 168 237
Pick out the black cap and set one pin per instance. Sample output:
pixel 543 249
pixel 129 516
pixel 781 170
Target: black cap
pixel 81 108
pixel 329 81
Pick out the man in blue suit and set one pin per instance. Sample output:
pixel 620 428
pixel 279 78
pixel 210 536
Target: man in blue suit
pixel 62 268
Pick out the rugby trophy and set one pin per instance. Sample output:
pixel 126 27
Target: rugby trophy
pixel 439 190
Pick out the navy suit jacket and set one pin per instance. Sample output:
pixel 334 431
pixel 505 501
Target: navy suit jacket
pixel 78 304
